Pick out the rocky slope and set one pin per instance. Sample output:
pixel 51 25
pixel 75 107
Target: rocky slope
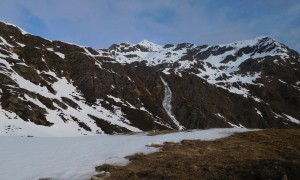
pixel 61 89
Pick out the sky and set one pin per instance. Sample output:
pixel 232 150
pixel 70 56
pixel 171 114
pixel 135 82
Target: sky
pixel 100 23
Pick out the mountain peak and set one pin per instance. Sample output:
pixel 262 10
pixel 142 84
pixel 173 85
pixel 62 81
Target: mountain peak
pixel 150 45
pixel 243 43
pixel 260 41
pixel 145 41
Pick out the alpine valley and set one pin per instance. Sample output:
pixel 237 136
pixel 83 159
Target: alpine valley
pixel 54 88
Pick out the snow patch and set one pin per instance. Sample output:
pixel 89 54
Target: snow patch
pixel 259 112
pixel 4 42
pixel 218 114
pixel 236 126
pixel 166 71
pixel 290 118
pixel 20 44
pixel 61 55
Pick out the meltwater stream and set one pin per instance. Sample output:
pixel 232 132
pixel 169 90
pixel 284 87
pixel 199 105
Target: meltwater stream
pixel 167 104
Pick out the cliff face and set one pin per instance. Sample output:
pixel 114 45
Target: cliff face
pixel 57 88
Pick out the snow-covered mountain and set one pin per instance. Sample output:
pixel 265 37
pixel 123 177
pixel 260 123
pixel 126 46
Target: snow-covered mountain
pixel 53 88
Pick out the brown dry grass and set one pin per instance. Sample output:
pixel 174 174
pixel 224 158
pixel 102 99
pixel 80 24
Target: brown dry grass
pixel 266 154
pixel 154 133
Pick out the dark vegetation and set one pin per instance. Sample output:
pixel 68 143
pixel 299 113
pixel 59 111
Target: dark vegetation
pixel 265 154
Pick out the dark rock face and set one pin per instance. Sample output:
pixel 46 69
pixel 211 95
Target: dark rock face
pixel 255 84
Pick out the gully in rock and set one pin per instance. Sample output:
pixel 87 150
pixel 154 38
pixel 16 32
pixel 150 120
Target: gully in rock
pixel 167 104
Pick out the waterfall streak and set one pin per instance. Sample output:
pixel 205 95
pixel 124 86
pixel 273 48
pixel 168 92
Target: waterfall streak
pixel 167 104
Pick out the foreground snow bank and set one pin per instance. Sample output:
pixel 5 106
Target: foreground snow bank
pixel 76 157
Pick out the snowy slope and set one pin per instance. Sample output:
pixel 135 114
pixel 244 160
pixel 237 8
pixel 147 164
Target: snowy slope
pixel 11 124
pixel 64 120
pixel 213 66
pixel 75 158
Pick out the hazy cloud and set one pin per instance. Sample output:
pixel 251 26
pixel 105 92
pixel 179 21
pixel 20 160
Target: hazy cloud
pixel 99 23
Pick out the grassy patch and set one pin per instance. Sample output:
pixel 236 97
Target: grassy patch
pixel 266 154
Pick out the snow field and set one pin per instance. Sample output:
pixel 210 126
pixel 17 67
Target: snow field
pixel 76 157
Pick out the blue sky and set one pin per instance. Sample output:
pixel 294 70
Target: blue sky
pixel 100 23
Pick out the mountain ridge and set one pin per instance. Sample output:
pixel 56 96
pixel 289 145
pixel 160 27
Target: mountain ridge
pixel 52 86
